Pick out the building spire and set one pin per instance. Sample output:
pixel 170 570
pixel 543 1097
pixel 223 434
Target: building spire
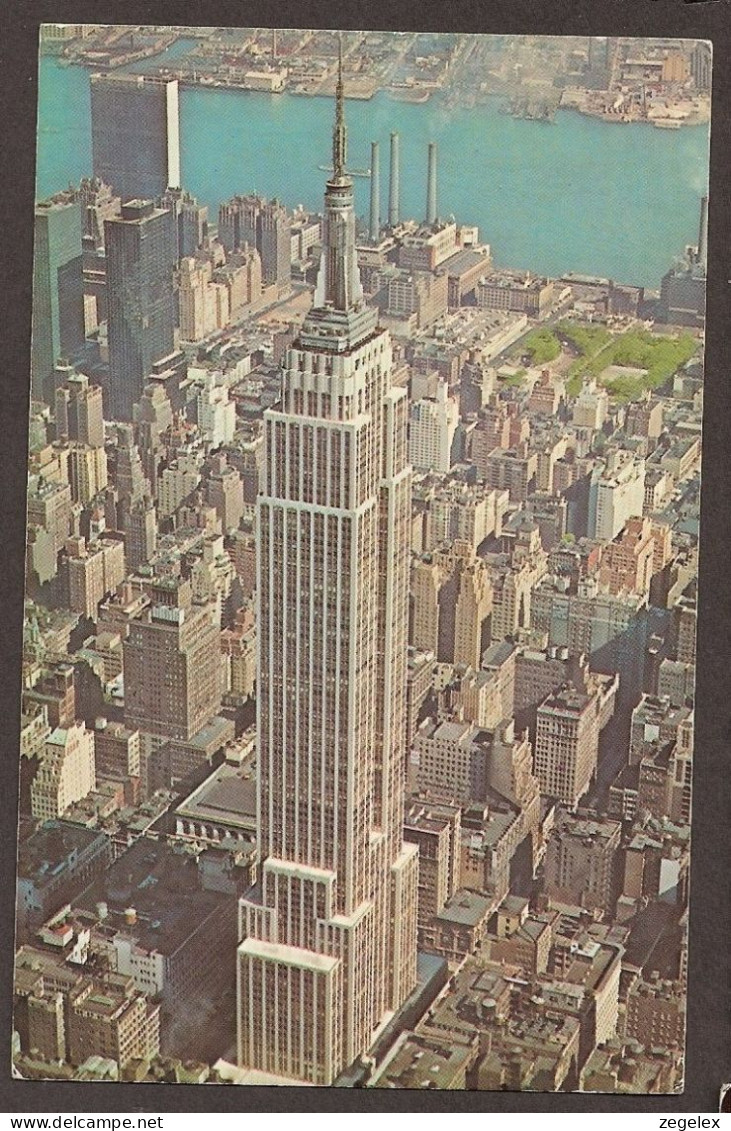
pixel 339 130
pixel 339 290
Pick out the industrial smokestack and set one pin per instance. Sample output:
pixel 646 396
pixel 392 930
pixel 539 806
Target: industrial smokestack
pixel 375 219
pixel 431 185
pixel 703 234
pixel 393 189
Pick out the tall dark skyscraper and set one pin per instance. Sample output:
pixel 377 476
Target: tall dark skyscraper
pixel 328 948
pixel 135 134
pixel 79 410
pixel 58 289
pixel 140 249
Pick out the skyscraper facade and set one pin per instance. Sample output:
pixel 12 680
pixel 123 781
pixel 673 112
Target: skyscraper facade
pixel 274 244
pixel 135 134
pixel 58 289
pixel 264 225
pixel 140 262
pixel 79 410
pixel 328 937
pixel 172 667
pixel 191 220
pixel 237 221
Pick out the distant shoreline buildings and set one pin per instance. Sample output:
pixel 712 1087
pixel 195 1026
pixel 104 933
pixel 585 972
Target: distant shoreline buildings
pixel 667 86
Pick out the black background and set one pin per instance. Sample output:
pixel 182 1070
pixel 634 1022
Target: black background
pixel 708 1061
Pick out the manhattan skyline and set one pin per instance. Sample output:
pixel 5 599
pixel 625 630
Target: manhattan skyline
pixel 361 597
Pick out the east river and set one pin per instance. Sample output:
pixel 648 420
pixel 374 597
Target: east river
pixel 578 194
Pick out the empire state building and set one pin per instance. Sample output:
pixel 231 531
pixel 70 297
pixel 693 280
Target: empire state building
pixel 328 937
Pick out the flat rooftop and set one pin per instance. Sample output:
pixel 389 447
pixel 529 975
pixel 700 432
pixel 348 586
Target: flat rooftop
pixel 426 1061
pixel 514 905
pixel 228 795
pixel 566 701
pixel 497 654
pixel 162 884
pixel 47 851
pixel 463 261
pixel 581 827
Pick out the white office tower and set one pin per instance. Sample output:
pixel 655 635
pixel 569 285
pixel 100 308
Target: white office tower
pixel 328 938
pixel 616 494
pixel 432 428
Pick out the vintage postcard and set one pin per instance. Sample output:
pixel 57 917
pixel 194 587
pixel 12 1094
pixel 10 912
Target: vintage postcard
pixel 362 542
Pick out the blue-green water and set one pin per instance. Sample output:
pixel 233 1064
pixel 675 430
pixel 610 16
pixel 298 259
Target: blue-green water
pixel 578 195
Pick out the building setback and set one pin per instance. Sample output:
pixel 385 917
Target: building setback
pixel 191 219
pixel 581 861
pixel 616 494
pixel 94 572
